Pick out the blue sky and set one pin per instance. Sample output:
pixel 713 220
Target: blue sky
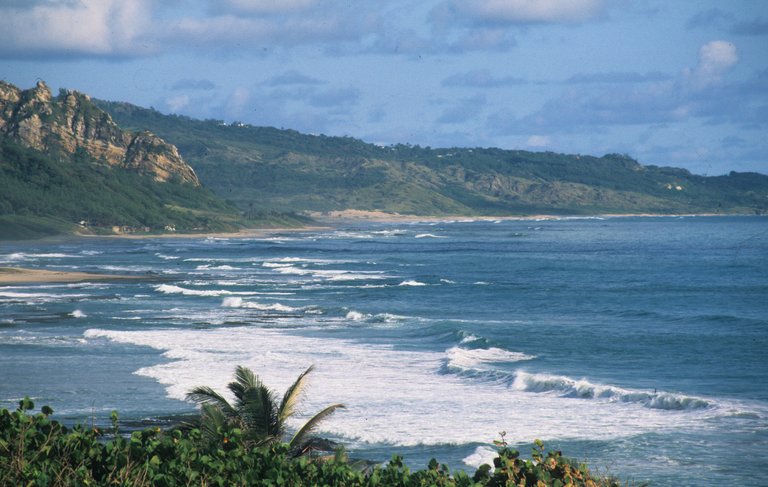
pixel 681 83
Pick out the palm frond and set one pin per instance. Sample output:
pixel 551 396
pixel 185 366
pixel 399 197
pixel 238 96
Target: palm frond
pixel 245 379
pixel 290 402
pixel 203 395
pixel 310 425
pixel 212 422
pixel 259 413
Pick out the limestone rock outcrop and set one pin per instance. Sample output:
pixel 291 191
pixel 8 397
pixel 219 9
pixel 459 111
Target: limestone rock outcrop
pixel 71 124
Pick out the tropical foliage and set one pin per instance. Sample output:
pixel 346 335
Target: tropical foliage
pixel 38 451
pixel 256 410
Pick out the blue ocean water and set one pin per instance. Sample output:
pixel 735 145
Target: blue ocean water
pixel 636 344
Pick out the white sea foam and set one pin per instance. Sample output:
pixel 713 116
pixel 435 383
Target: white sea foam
pixel 273 265
pixel 375 319
pixel 21 256
pixel 481 359
pixel 411 282
pixel 584 389
pixel 206 267
pixel 357 316
pixel 469 339
pixel 392 395
pixel 481 455
pixel 127 268
pixel 235 302
pixel 38 297
pixel 429 235
pixel 171 289
pixel 167 257
pixel 77 314
pixel 331 275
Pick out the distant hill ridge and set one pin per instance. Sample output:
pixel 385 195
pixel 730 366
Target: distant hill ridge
pixel 262 168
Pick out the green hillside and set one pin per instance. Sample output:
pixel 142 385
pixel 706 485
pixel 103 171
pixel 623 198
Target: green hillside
pixel 262 168
pixel 42 195
pixel 66 166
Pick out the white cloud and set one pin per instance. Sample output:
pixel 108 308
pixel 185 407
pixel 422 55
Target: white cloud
pixel 715 58
pixel 177 103
pixel 86 27
pixel 522 11
pixel 538 141
pixel 264 6
pixel 237 102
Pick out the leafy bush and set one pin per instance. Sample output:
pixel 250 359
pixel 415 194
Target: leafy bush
pixel 38 451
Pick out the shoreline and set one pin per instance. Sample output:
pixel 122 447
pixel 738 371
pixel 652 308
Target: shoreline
pixel 245 233
pixel 23 275
pixel 384 217
pixel 328 220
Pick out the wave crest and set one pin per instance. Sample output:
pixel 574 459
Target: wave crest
pixel 234 302
pixel 583 389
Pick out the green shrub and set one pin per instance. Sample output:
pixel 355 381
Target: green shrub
pixel 38 451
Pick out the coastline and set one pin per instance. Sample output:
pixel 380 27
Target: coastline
pixel 328 220
pixel 381 216
pixel 22 275
pixel 245 233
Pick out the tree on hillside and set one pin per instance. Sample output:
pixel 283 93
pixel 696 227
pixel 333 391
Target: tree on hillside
pixel 256 411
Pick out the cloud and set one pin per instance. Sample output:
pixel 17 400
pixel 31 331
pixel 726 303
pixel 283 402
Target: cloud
pixel 538 141
pixel 293 77
pixel 335 97
pixel 701 92
pixel 728 22
pixel 237 103
pixel 221 33
pixel 617 77
pixel 482 78
pixel 715 58
pixel 711 17
pixel 464 110
pixel 507 12
pixel 757 27
pixel 86 28
pixel 193 84
pixel 262 6
pixel 177 103
pixel 135 28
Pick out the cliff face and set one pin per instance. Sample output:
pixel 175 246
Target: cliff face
pixel 71 123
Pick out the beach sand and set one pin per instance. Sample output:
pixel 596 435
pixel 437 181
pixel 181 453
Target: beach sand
pixel 18 275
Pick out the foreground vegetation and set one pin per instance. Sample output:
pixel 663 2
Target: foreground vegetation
pixel 38 451
pixel 256 412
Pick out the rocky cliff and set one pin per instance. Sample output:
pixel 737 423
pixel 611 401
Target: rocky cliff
pixel 71 124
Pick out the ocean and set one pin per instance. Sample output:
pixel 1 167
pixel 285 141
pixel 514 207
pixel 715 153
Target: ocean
pixel 637 344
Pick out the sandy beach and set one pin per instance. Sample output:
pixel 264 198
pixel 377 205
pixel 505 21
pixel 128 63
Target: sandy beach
pixel 19 275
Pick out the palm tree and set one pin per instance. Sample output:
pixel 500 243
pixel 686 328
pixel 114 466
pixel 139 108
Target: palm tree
pixel 255 410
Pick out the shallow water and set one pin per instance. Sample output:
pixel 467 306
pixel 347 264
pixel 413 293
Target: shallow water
pixel 634 343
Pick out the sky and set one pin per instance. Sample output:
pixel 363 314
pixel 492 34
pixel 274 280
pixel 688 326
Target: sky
pixel 679 83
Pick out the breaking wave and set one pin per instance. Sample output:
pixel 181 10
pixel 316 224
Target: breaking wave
pixel 234 302
pixel 583 389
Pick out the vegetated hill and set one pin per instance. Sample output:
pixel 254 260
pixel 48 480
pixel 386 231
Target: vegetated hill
pixel 65 166
pixel 263 168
